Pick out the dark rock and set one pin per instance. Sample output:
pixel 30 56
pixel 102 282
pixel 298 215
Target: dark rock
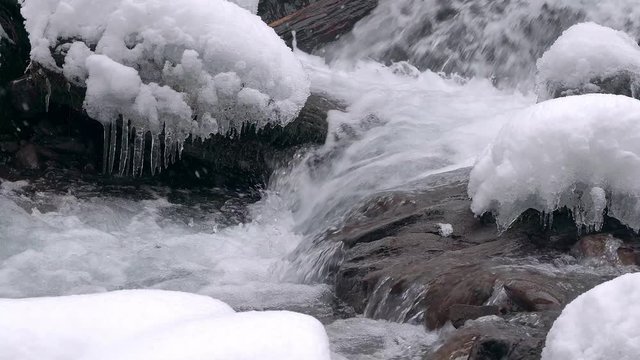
pixel 606 249
pixel 460 313
pixel 397 267
pixel 27 157
pixel 322 22
pixel 249 158
pixel 492 338
pixel 272 10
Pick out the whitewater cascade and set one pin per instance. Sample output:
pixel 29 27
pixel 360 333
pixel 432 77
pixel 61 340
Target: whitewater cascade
pixel 411 117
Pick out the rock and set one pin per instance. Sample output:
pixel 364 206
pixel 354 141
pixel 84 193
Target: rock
pixel 272 10
pixel 493 338
pixel 27 157
pixel 397 267
pixel 460 313
pixel 249 158
pixel 322 22
pixel 605 249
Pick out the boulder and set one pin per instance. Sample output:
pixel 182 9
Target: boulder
pixel 396 266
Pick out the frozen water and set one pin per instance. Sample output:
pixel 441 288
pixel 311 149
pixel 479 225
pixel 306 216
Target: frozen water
pixel 600 324
pixel 583 54
pixel 152 324
pixel 173 67
pixel 580 152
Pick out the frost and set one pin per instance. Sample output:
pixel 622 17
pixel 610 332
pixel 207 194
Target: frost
pixel 171 68
pixel 584 53
pixel 600 324
pixel 580 152
pixel 445 230
pixel 152 324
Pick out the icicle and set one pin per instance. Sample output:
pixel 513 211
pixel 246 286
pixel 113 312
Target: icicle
pixel 124 152
pixel 156 152
pixel 180 149
pixel 112 146
pixel 142 149
pixel 152 155
pixel 167 147
pixel 105 148
pixel 138 152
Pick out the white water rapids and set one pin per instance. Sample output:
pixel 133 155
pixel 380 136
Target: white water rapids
pixel 400 126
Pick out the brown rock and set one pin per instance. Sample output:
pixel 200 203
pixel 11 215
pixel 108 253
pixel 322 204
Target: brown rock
pixel 460 313
pixel 322 22
pixel 605 249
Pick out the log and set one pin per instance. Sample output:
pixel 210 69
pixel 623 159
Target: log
pixel 322 22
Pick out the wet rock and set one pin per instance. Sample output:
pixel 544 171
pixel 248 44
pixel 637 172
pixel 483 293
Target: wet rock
pixel 249 158
pixel 460 313
pixel 27 157
pixel 493 338
pixel 322 22
pixel 272 10
pixel 397 267
pixel 605 249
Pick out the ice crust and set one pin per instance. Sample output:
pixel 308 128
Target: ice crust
pixel 580 152
pixel 152 324
pixel 584 53
pixel 186 66
pixel 600 324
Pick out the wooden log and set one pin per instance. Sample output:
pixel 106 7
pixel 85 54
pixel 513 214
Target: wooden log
pixel 322 22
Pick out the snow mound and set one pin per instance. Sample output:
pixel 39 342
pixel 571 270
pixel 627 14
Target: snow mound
pixel 152 324
pixel 584 54
pixel 580 152
pixel 600 324
pixel 188 66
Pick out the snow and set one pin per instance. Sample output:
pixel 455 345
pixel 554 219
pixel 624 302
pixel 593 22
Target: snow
pixel 195 66
pixel 152 324
pixel 582 152
pixel 445 230
pixel 599 324
pixel 584 53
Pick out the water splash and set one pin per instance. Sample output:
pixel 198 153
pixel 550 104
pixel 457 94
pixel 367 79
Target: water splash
pixel 500 40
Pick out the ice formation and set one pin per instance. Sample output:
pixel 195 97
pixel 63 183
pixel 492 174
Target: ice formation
pixel 580 152
pixel 600 324
pixel 171 68
pixel 584 53
pixel 152 324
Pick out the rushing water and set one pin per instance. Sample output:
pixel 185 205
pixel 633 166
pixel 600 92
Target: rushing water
pixel 401 126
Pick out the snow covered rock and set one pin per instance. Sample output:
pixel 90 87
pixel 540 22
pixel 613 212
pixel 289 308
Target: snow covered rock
pixel 600 324
pixel 580 152
pixel 152 324
pixel 589 58
pixel 186 67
